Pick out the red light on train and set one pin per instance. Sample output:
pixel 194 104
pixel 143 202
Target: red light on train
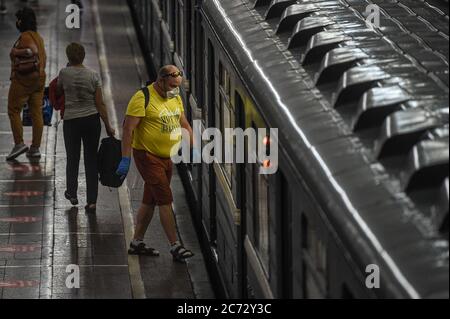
pixel 20 219
pixel 19 283
pixel 25 168
pixel 19 248
pixel 266 140
pixel 24 193
pixel 266 163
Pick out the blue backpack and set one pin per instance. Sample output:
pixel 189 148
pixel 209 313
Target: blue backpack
pixel 47 112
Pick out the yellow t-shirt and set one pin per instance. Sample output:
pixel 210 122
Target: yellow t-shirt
pixel 159 121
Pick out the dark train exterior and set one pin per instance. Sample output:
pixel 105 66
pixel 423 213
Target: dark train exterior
pixel 362 112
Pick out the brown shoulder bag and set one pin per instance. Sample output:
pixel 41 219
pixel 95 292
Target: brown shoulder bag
pixel 25 65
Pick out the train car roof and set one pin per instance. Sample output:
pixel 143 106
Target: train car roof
pixel 365 111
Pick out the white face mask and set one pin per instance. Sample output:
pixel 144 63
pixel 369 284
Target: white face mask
pixel 173 93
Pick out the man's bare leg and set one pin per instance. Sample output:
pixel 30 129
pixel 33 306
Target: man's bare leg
pixel 144 217
pixel 168 222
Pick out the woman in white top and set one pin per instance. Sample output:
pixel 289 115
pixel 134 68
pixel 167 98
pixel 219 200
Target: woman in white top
pixel 84 107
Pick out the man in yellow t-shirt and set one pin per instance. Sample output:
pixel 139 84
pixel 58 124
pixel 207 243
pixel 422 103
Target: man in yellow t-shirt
pixel 154 132
pixel 160 120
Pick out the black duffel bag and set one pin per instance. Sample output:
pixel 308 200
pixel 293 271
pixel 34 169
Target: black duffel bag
pixel 109 156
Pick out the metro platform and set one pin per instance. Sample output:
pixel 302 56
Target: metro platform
pixel 42 237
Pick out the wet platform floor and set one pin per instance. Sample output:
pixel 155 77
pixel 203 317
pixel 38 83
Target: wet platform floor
pixel 40 233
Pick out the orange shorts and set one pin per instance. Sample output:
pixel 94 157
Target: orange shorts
pixel 157 173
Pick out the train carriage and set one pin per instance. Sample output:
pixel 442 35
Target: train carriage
pixel 362 118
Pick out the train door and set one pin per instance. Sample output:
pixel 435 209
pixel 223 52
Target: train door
pixel 197 102
pixel 283 214
pixel 156 42
pixel 257 227
pixel 208 178
pixel 241 201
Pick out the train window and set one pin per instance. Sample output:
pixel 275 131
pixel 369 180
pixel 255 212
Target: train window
pixel 144 20
pixel 210 87
pixel 263 211
pixel 227 123
pixel 141 15
pixel 225 80
pixel 314 261
pixel 156 29
pixel 226 119
pixel 284 206
pixel 149 25
pixel 163 7
pixel 169 16
pixel 261 217
pixel 218 117
pixel 198 64
pixel 180 32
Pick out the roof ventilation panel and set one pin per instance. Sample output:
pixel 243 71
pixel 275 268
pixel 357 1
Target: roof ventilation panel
pixel 403 129
pixel 320 44
pixel 260 3
pixel 306 28
pixel 355 82
pixel 293 14
pixel 441 217
pixel 277 7
pixel 336 62
pixel 376 104
pixel 427 164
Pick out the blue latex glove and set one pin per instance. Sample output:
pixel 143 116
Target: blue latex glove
pixel 124 166
pixel 196 156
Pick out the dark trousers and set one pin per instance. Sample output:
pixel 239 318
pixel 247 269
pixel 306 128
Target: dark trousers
pixel 86 129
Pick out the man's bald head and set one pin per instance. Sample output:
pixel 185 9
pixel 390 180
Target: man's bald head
pixel 169 78
pixel 166 70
